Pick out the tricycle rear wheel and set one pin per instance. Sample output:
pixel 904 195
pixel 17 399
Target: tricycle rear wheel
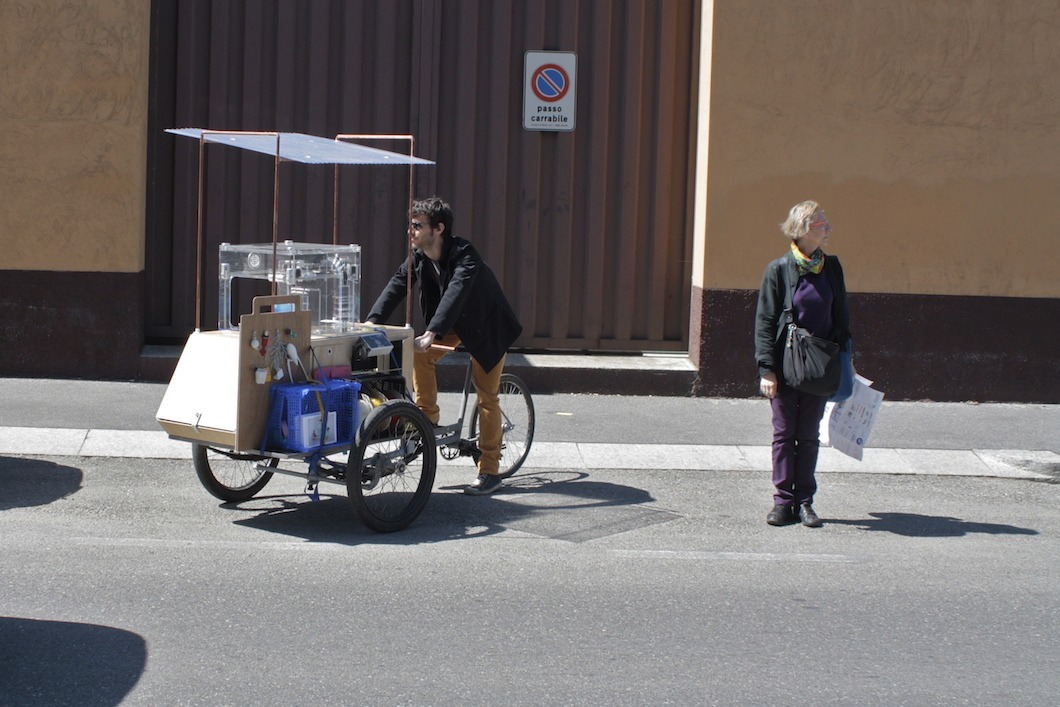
pixel 392 466
pixel 230 476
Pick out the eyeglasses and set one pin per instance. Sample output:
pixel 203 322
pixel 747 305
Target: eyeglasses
pixel 821 224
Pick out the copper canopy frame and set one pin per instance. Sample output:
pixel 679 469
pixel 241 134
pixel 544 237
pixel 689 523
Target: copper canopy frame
pixel 307 149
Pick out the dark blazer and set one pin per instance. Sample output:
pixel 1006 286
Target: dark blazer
pixel 778 284
pixel 470 302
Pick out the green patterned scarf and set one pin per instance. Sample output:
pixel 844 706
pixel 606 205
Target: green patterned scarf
pixel 814 264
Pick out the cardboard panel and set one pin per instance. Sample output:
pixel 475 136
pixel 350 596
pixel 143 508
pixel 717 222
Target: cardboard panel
pixel 200 403
pixel 271 331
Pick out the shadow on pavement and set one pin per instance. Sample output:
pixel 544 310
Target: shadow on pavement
pixel 33 482
pixel 559 505
pixel 62 663
pixel 921 526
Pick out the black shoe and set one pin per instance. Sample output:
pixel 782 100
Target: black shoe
pixel 484 484
pixel 780 515
pixel 808 517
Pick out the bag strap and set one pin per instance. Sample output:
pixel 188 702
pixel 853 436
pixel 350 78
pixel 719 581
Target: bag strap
pixel 789 291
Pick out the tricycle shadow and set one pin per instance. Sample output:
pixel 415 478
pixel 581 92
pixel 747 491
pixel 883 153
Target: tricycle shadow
pixel 555 504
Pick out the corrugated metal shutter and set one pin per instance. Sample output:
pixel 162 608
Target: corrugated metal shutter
pixel 589 231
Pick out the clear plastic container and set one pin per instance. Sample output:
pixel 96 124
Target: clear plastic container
pixel 327 277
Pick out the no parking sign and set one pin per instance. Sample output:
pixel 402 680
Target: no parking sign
pixel 549 95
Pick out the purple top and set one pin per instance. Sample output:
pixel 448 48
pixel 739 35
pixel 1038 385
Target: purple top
pixel 812 304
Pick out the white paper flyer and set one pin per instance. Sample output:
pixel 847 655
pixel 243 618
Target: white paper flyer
pixel 846 425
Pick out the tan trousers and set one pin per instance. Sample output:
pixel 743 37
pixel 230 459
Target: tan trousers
pixel 487 387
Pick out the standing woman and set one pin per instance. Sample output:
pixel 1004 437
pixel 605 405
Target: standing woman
pixel 818 302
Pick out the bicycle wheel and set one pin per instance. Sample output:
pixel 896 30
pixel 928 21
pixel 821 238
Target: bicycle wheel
pixel 392 466
pixel 229 476
pixel 517 423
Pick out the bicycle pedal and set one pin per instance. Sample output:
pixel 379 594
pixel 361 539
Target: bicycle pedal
pixel 467 449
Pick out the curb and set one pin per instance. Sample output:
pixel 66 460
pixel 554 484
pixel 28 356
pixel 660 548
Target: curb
pixel 997 463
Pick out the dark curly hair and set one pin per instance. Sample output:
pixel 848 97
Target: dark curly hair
pixel 437 211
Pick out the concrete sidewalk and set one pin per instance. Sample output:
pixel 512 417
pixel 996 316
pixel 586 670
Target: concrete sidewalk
pixel 591 432
pixel 1017 464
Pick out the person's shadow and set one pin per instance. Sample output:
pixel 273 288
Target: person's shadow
pixel 922 526
pixel 63 663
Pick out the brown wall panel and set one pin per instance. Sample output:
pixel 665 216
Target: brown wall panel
pixel 927 133
pixel 926 130
pixel 914 347
pixel 73 104
pixel 587 229
pixel 78 325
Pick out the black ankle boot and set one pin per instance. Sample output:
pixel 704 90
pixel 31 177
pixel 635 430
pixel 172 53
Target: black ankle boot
pixel 780 515
pixel 808 517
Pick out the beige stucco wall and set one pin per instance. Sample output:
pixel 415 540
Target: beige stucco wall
pixel 929 131
pixel 73 124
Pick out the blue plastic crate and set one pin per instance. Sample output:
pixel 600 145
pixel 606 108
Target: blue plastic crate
pixel 295 423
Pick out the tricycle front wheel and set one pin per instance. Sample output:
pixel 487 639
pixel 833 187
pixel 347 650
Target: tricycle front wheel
pixel 230 476
pixel 392 466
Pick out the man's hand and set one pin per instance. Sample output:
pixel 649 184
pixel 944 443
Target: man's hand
pixel 424 341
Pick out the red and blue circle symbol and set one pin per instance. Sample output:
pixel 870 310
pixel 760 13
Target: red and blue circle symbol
pixel 550 83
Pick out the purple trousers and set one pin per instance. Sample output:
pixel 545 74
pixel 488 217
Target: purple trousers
pixel 796 441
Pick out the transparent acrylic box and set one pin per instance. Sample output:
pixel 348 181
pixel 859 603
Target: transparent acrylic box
pixel 326 277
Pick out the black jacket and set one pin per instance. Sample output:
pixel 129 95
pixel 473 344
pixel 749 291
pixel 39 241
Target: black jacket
pixel 470 301
pixel 770 323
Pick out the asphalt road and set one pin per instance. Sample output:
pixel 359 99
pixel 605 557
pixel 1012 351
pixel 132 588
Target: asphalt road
pixel 123 582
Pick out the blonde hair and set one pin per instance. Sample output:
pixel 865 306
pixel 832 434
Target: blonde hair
pixel 799 218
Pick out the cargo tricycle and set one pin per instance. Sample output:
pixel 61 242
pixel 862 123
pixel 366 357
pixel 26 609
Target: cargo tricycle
pixel 300 381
